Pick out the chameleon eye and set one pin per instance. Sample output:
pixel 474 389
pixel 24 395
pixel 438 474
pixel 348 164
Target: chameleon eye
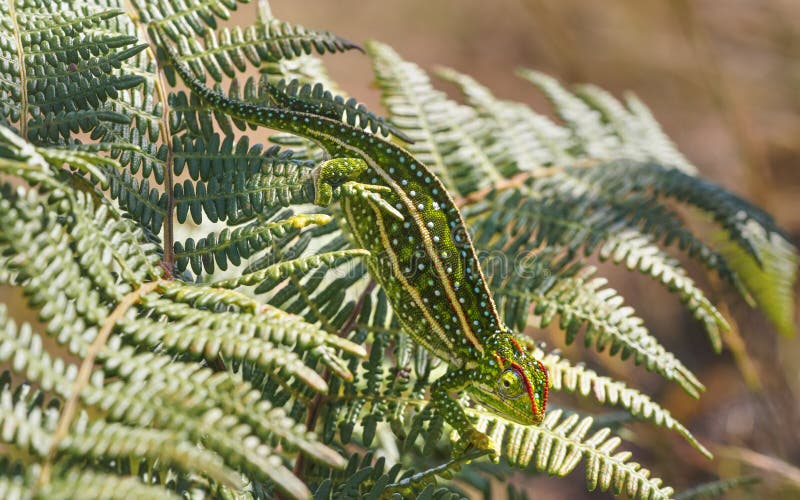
pixel 510 384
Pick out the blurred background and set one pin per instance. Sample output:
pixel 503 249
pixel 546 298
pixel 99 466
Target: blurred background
pixel 723 79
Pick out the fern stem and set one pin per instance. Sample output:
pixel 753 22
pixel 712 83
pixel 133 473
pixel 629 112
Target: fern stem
pixel 84 373
pixel 23 83
pixel 733 339
pixel 518 180
pixel 168 260
pixel 319 399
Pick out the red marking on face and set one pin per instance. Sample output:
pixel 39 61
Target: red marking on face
pixel 517 368
pixel 500 361
pixel 546 385
pixel 516 344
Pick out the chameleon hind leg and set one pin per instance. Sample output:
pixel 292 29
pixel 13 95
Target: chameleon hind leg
pixel 341 173
pixel 450 409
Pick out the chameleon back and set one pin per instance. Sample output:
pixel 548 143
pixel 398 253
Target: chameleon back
pixel 425 262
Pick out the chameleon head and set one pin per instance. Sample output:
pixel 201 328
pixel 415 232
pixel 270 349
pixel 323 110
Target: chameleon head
pixel 512 382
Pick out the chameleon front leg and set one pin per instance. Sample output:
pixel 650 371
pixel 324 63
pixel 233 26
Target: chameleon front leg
pixel 441 397
pixel 341 173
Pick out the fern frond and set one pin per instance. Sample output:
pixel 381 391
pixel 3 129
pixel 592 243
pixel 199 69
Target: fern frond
pixel 220 157
pixel 100 440
pixel 208 391
pixel 713 489
pixel 63 67
pixel 26 425
pixel 364 476
pixel 519 140
pixel 48 270
pixel 241 243
pixel 772 282
pixel 446 136
pixel 116 255
pixel 35 163
pixel 577 379
pixel 640 135
pixel 223 435
pixel 227 51
pixel 235 184
pixel 148 385
pixel 571 293
pixel 71 325
pixel 24 349
pixel 424 481
pixel 560 218
pixel 591 138
pixel 78 482
pixel 12 487
pixel 559 444
pixel 268 277
pixel 265 325
pixel 189 338
pixel 582 300
pixel 144 203
pixel 751 229
pixel 325 296
pixel 730 212
pixel 226 436
pixel 186 18
pixel 134 145
pixel 602 129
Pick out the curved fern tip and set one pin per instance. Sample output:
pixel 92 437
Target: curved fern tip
pixel 352 45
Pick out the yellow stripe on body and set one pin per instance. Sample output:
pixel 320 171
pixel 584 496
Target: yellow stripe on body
pixel 395 263
pixel 428 242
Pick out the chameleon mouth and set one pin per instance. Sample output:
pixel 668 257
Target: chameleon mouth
pixel 511 413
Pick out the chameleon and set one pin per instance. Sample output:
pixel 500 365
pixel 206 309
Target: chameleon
pixel 420 254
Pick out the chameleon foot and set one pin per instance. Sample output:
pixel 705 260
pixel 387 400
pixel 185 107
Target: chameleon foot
pixel 473 439
pixel 373 194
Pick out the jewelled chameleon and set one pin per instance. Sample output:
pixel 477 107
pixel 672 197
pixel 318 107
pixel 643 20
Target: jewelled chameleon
pixel 399 211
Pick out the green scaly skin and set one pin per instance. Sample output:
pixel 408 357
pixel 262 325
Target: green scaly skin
pixel 421 255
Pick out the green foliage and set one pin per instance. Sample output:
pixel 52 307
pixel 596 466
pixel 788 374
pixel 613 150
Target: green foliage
pixel 202 329
pixel 715 489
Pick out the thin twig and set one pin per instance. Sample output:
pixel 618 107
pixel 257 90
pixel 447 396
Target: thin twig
pixel 168 260
pixel 85 373
pixel 23 76
pixel 316 403
pixel 520 179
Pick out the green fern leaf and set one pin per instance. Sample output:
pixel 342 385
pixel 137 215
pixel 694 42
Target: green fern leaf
pixel 446 135
pixel 564 376
pixel 559 444
pixel 78 482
